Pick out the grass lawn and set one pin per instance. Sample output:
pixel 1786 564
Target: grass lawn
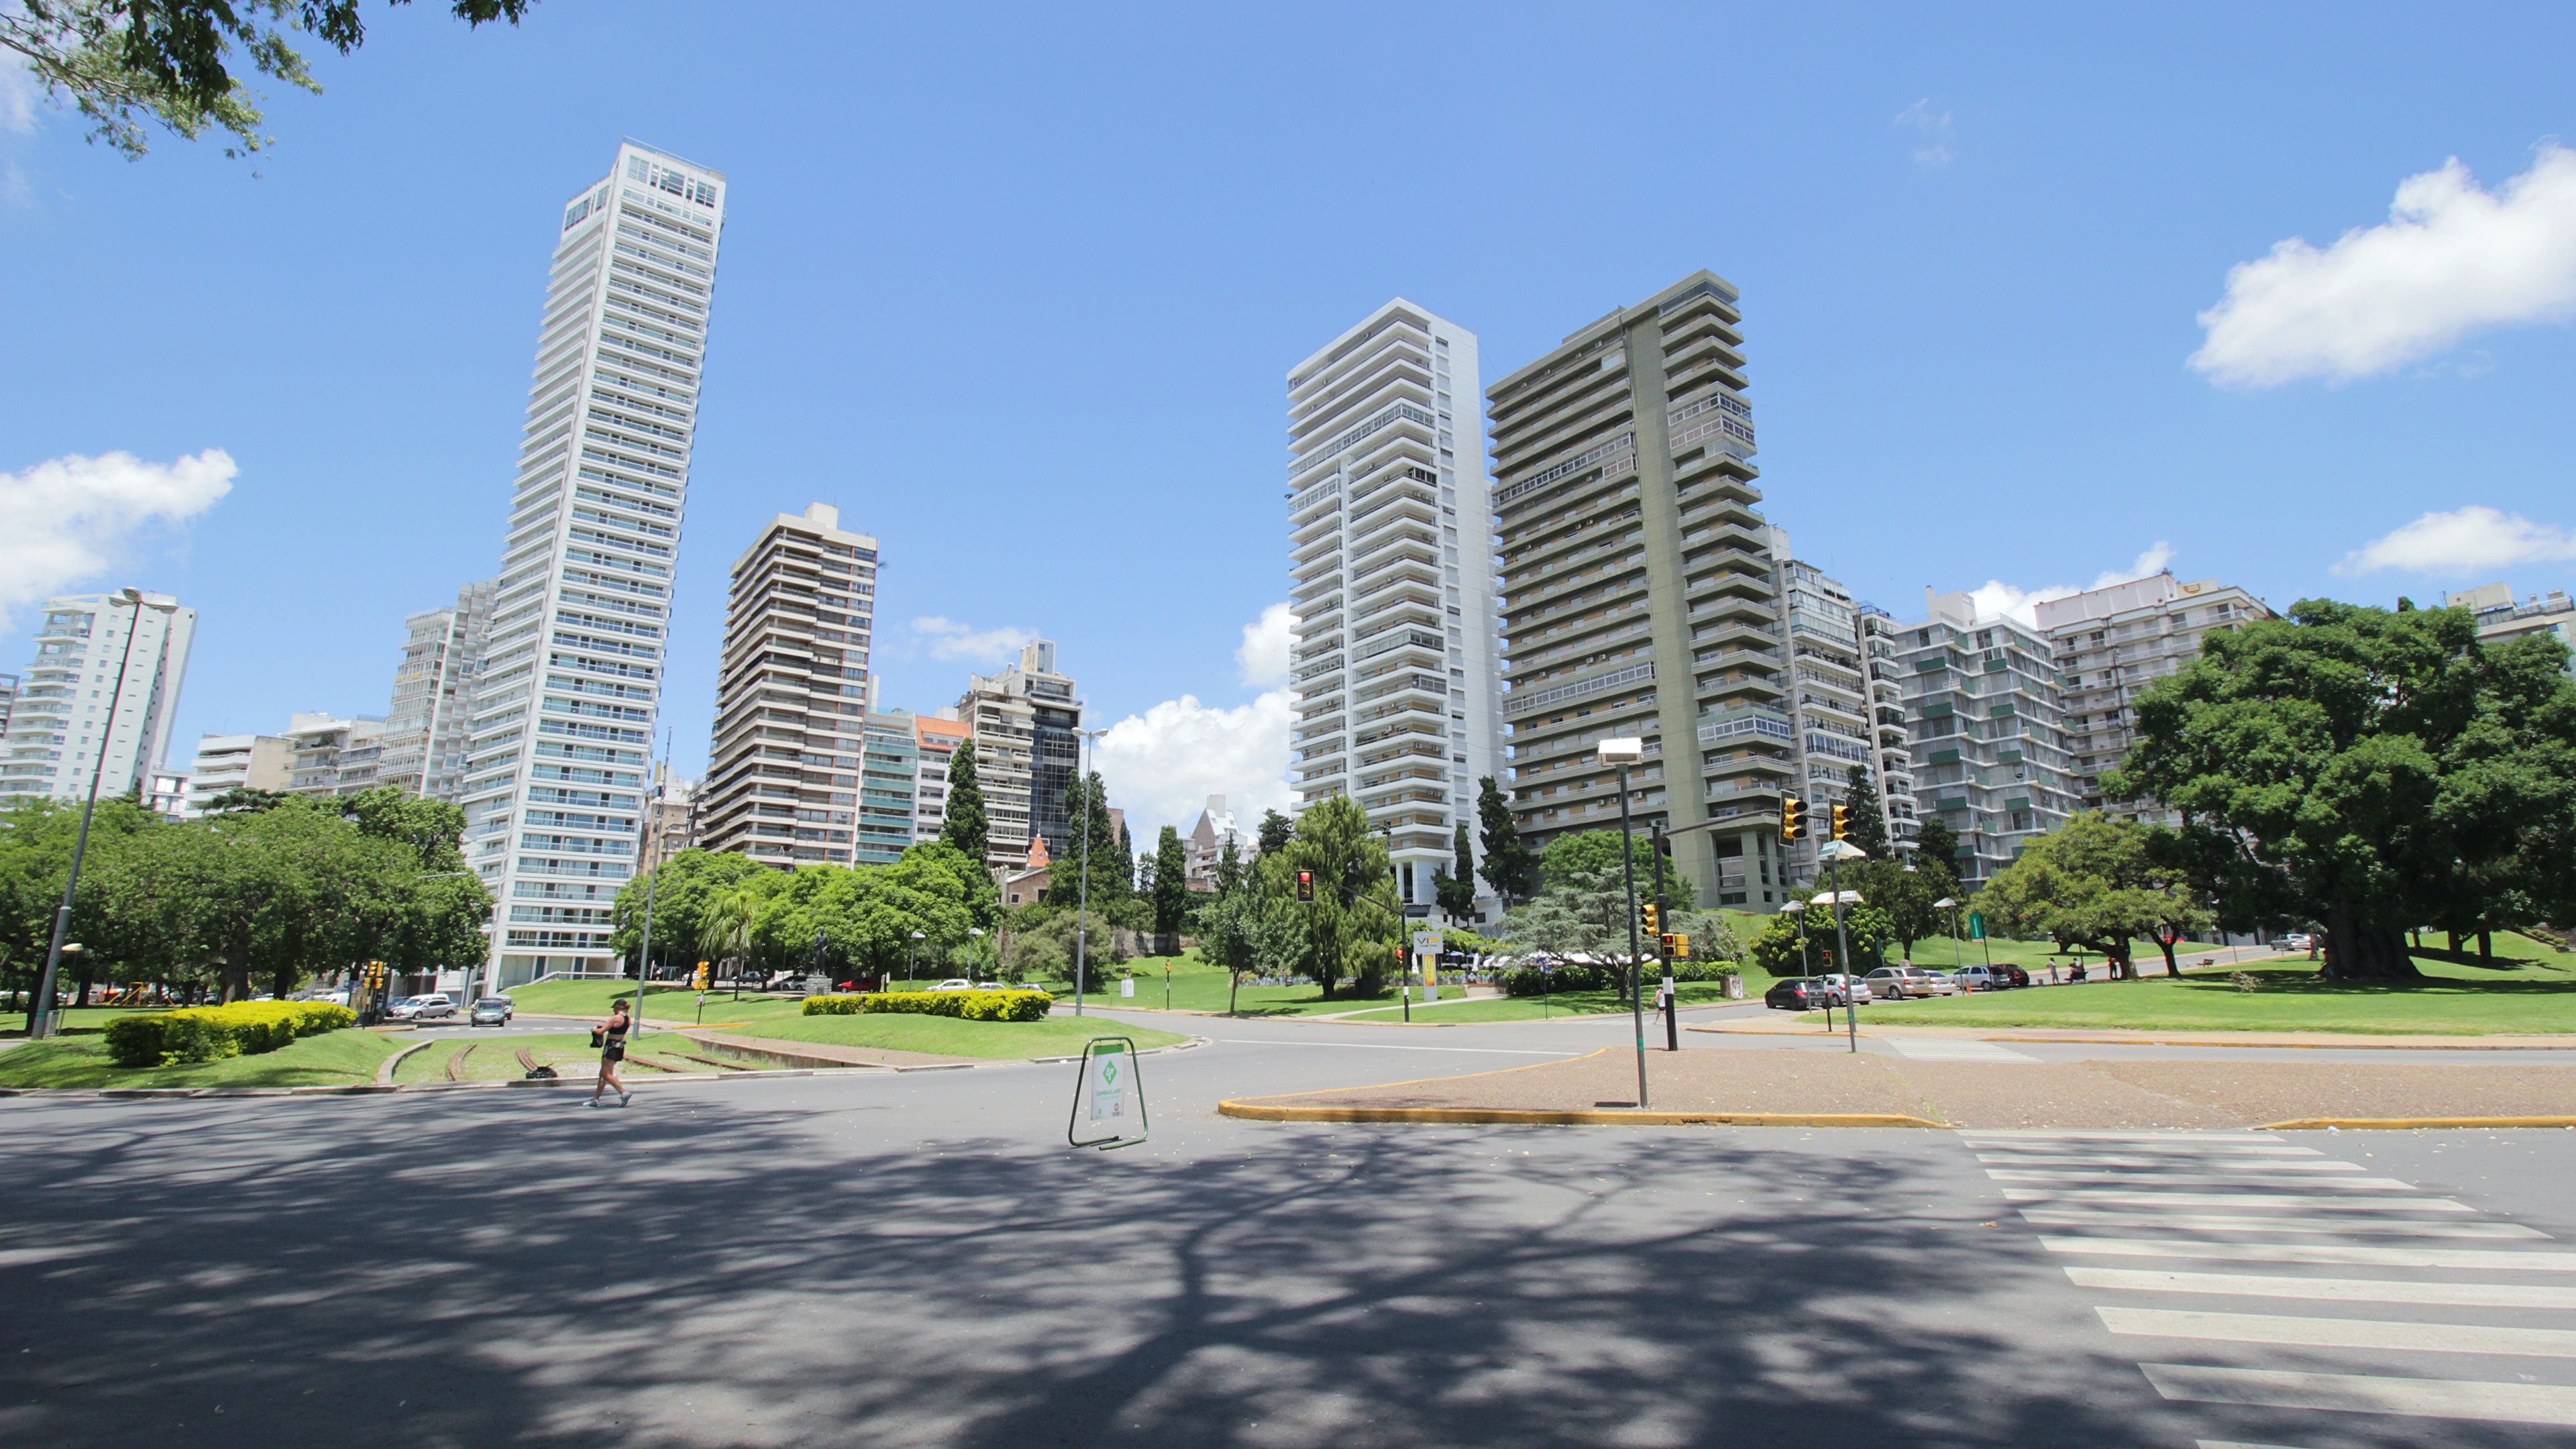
pixel 1196 986
pixel 333 1059
pixel 946 1036
pixel 83 1019
pixel 2453 1001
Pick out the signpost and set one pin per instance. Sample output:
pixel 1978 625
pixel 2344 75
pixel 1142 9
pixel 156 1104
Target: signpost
pixel 1426 945
pixel 1109 1097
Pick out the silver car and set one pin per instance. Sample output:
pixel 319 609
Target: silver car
pixel 1895 983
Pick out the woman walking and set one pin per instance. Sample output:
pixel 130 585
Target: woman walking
pixel 610 1036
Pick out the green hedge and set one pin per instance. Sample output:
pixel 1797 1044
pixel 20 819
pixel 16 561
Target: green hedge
pixel 1530 981
pixel 204 1033
pixel 972 1005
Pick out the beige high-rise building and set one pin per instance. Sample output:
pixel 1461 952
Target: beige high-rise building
pixel 782 780
pixel 1638 594
pixel 426 727
pixel 1024 720
pixel 2500 619
pixel 2113 642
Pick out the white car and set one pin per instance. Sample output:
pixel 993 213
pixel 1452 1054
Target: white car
pixel 422 1008
pixel 1849 988
pixel 955 983
pixel 1945 983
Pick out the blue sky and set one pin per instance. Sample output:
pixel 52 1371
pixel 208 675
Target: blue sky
pixel 1016 289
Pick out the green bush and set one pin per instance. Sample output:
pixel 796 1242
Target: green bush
pixel 204 1033
pixel 1530 981
pixel 970 1005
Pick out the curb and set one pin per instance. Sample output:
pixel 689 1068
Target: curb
pixel 2374 1124
pixel 1532 1118
pixel 385 1068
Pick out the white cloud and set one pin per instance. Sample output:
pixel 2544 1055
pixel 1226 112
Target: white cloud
pixel 1162 765
pixel 19 92
pixel 948 639
pixel 2472 540
pixel 1932 131
pixel 1262 659
pixel 2452 258
pixel 64 521
pixel 1998 599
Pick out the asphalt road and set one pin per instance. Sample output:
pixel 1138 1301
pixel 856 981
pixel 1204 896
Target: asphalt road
pixel 920 1260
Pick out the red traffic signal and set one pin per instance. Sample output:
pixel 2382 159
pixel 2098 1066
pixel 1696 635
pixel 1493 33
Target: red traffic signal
pixel 1305 885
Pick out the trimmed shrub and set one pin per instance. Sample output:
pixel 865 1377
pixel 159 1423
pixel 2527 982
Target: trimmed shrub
pixel 205 1033
pixel 1530 981
pixel 969 1005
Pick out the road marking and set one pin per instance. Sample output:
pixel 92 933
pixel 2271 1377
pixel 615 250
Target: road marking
pixel 2253 1164
pixel 2340 1332
pixel 2014 1136
pixel 1380 1046
pixel 2366 1394
pixel 1934 1049
pixel 2081 1195
pixel 2077 1176
pixel 2507 1260
pixel 2337 1290
pixel 2222 1223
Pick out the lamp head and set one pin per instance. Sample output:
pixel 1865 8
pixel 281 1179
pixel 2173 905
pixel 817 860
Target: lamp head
pixel 1622 751
pixel 1943 904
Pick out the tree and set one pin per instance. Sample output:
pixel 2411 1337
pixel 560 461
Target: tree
pixel 963 827
pixel 1276 830
pixel 682 889
pixel 1906 896
pixel 725 925
pixel 1584 910
pixel 1110 882
pixel 1455 888
pixel 2094 883
pixel 1229 868
pixel 1250 932
pixel 121 62
pixel 1935 840
pixel 1353 928
pixel 1586 850
pixel 1507 859
pixel 2372 770
pixel 1866 823
pixel 1171 896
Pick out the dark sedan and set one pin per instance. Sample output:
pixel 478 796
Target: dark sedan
pixel 1801 994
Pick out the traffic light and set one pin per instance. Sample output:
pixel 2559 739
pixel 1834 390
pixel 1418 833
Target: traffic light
pixel 1842 821
pixel 698 979
pixel 1793 818
pixel 1678 945
pixel 1305 885
pixel 1653 927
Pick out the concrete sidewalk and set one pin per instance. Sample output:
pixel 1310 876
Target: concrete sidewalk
pixel 1810 1086
pixel 1892 1026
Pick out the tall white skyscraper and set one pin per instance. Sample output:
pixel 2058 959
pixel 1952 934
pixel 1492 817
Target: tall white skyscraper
pixel 59 726
pixel 1391 560
pixel 428 726
pixel 565 694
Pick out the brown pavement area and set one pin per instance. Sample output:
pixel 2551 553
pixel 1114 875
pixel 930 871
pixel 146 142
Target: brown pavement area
pixel 2088 1094
pixel 2113 1036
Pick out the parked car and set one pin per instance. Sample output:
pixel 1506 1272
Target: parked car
pixel 491 1011
pixel 1992 978
pixel 422 1008
pixel 1944 983
pixel 1895 983
pixel 1846 988
pixel 955 983
pixel 1799 993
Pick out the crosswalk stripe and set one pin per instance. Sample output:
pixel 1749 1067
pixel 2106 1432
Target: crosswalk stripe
pixel 2365 1393
pixel 2160 1151
pixel 2505 1260
pixel 2236 1199
pixel 2269 1162
pixel 2077 1176
pixel 1928 1050
pixel 2340 1332
pixel 2232 1444
pixel 2223 1223
pixel 2336 1290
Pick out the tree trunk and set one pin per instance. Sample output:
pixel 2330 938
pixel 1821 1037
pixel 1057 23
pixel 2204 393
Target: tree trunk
pixel 2172 967
pixel 2486 947
pixel 2363 953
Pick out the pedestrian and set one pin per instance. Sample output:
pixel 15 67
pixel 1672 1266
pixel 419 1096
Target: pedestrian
pixel 610 1037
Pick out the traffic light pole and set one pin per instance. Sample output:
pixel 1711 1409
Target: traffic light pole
pixel 1636 983
pixel 1663 947
pixel 1842 953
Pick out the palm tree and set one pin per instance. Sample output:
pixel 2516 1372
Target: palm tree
pixel 724 931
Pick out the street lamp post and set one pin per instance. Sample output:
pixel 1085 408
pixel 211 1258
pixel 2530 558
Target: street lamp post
pixel 1623 753
pixel 1835 851
pixel 39 1014
pixel 978 933
pixel 1956 950
pixel 909 975
pixel 1082 909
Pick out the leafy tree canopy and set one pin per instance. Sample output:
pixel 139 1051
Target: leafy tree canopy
pixel 1507 858
pixel 2372 770
pixel 2095 884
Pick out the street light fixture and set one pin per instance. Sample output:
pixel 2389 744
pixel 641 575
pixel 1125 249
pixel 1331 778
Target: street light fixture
pixel 39 1015
pixel 1624 753
pixel 978 933
pixel 1956 950
pixel 908 949
pixel 1835 852
pixel 1082 908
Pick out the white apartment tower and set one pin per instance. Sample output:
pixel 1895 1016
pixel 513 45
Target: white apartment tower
pixel 59 728
pixel 426 727
pixel 565 695
pixel 1392 581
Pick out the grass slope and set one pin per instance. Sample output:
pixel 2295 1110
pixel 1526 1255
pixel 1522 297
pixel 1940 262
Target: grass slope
pixel 947 1036
pixel 2453 1001
pixel 337 1058
pixel 1563 1003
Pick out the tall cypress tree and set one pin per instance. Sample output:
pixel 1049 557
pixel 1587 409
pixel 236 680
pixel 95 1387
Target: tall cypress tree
pixel 1276 831
pixel 1507 860
pixel 964 826
pixel 1126 861
pixel 1171 881
pixel 1867 823
pixel 1111 879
